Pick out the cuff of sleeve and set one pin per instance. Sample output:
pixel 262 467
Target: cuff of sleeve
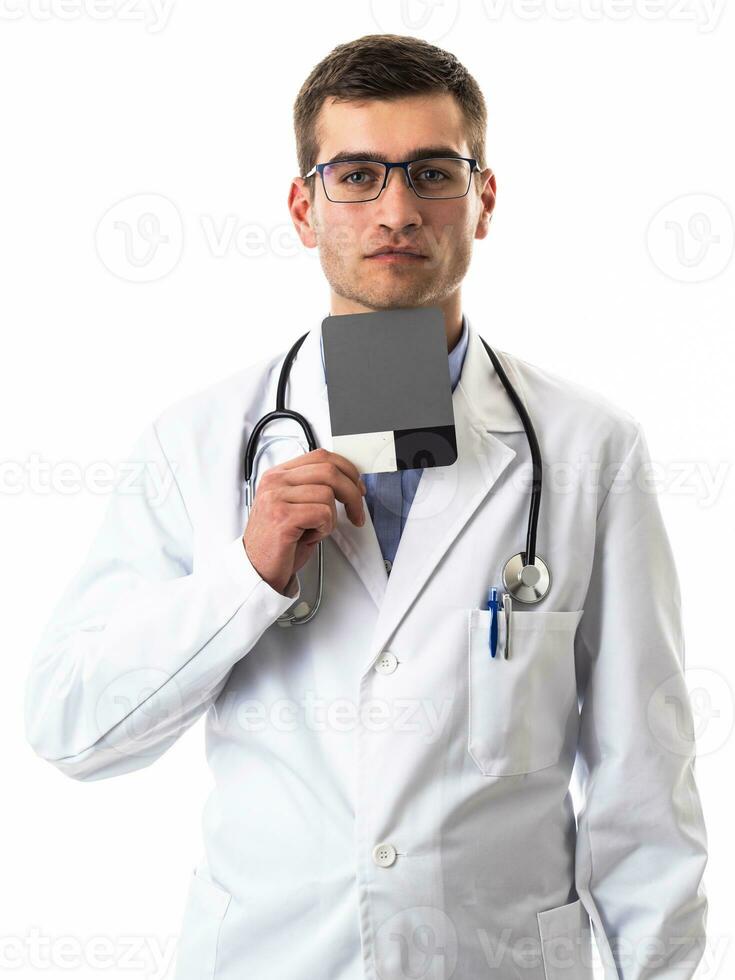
pixel 242 571
pixel 293 589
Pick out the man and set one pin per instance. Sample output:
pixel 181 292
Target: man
pixel 390 802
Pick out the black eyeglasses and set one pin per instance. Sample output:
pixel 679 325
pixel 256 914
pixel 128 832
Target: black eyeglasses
pixel 356 181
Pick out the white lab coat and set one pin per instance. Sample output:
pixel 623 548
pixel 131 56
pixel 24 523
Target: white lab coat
pixel 384 721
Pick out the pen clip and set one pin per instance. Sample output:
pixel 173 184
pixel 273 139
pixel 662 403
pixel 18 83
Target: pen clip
pixel 507 609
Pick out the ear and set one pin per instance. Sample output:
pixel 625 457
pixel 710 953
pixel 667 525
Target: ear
pixel 487 202
pixel 300 207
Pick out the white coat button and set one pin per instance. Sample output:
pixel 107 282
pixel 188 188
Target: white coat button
pixel 384 855
pixel 388 564
pixel 387 662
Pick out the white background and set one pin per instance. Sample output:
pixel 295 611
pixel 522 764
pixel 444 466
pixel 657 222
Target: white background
pixel 609 261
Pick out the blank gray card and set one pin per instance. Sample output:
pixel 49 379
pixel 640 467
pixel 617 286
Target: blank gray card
pixel 389 390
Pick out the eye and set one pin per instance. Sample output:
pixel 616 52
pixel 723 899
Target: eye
pixel 356 173
pixel 432 170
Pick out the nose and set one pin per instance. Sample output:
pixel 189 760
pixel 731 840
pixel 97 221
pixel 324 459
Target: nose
pixel 397 205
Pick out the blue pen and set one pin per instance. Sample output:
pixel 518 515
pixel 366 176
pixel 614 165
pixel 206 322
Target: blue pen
pixel 492 605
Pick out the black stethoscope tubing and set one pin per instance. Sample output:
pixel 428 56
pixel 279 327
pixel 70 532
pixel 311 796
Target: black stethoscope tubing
pixel 529 555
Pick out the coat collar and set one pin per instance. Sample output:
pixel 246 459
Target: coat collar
pixel 446 497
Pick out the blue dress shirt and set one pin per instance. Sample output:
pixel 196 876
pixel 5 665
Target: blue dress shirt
pixel 390 495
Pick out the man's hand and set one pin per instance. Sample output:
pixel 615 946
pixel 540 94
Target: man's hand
pixel 294 508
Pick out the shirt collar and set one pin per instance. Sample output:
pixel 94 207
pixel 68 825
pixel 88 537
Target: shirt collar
pixel 456 354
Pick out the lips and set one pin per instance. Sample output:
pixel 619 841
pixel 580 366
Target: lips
pixel 396 253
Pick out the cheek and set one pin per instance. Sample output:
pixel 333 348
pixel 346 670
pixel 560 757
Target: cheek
pixel 347 234
pixel 447 227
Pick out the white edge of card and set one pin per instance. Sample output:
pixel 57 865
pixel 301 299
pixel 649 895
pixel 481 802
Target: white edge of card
pixel 371 452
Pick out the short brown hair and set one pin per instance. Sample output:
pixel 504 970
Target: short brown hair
pixel 385 66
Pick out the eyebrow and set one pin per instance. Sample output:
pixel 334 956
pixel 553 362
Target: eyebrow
pixel 419 153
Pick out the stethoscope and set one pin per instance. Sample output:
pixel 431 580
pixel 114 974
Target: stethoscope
pixel 526 576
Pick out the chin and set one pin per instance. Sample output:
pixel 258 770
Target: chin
pixel 395 297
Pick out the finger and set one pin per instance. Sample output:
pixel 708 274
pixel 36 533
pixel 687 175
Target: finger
pixel 309 493
pixel 326 474
pixel 310 517
pixel 325 456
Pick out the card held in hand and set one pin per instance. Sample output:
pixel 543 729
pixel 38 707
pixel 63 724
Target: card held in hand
pixel 389 390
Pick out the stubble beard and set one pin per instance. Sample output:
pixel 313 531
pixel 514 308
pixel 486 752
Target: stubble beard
pixel 350 277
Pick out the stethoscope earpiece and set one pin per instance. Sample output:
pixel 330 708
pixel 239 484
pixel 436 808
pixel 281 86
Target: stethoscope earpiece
pixel 301 614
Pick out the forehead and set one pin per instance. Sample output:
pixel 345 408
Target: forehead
pixel 391 127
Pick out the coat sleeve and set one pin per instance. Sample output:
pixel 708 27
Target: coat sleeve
pixel 641 839
pixel 140 643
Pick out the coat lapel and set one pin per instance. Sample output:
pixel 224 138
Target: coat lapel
pixel 447 496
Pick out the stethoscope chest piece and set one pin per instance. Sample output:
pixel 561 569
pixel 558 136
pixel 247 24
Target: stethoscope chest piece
pixel 526 583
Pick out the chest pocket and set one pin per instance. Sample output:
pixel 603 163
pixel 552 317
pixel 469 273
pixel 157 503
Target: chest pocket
pixel 519 708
